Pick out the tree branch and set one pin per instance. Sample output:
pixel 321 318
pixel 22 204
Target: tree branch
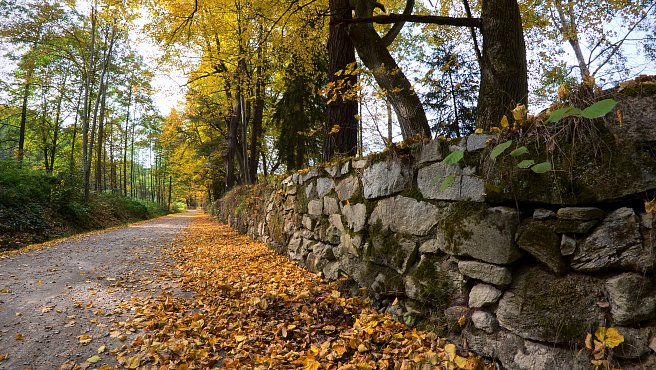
pixel 433 19
pixel 396 29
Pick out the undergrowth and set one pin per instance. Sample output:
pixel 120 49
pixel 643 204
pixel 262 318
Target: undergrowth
pixel 36 206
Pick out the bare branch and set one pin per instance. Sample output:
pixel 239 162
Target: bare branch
pixel 432 19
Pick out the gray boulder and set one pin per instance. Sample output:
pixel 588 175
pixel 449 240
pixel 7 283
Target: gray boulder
pixel 544 307
pixel 482 295
pixel 430 152
pixel 355 216
pixel 485 321
pixel 631 298
pixel 405 215
pixel 386 178
pixel 486 272
pixel 395 252
pixel 580 213
pixel 515 353
pixel 324 186
pixel 636 343
pixel 486 234
pixel 615 243
pixel 541 242
pixel 466 185
pixel 348 188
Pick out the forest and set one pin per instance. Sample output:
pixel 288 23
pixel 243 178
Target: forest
pixel 276 86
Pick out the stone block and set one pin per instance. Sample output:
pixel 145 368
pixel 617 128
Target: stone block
pixel 631 298
pixel 482 295
pixel 487 234
pixel 541 242
pixel 355 216
pixel 567 245
pixel 580 213
pixel 330 206
pixel 430 152
pixel 308 223
pixel 310 175
pixel 478 141
pixel 429 246
pixel 391 251
pixel 348 188
pixel 315 207
pixel 405 215
pixel 616 243
pixel 386 178
pixel 541 214
pixel 324 186
pixel 493 274
pixel 485 321
pixel 635 344
pixel 545 307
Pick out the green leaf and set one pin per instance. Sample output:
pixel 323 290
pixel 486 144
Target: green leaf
pixel 519 151
pixel 454 157
pixel 447 182
pixel 526 164
pixel 561 113
pixel 93 359
pixel 499 149
pixel 541 167
pixel 599 109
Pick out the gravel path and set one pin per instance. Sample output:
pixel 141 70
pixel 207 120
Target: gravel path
pixel 64 304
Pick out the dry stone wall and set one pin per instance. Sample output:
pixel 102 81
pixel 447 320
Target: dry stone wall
pixel 531 278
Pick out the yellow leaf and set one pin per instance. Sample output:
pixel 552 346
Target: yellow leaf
pixel 5 290
pixel 335 129
pixel 610 337
pixel 19 336
pixel 461 362
pixel 132 363
pixel 462 320
pixel 504 122
pixel 311 364
pixel 520 112
pixel 495 130
pixel 479 131
pixel 84 339
pixel 240 338
pixel 450 349
pixel 101 349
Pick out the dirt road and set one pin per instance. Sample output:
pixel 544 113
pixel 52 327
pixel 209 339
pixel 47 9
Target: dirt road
pixel 64 304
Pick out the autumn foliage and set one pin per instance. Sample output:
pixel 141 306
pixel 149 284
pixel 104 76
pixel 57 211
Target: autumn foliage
pixel 248 307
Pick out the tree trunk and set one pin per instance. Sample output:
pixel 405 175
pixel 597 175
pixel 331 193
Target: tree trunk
pixel 341 112
pixel 372 50
pixel 229 160
pixel 86 160
pixel 256 129
pixel 23 120
pixel 503 71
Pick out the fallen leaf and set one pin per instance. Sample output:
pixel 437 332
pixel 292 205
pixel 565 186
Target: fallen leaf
pixel 84 339
pixel 93 359
pixel 19 336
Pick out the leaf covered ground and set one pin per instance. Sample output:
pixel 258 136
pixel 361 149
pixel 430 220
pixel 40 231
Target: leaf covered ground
pixel 240 305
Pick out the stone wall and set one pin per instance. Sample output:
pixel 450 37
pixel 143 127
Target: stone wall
pixel 531 273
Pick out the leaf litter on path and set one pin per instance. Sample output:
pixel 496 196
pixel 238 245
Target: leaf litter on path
pixel 254 309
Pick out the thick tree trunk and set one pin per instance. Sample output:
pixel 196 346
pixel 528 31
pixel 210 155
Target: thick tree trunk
pixel 372 50
pixel 503 71
pixel 341 113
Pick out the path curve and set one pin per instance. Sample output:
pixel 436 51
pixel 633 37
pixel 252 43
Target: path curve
pixel 62 304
